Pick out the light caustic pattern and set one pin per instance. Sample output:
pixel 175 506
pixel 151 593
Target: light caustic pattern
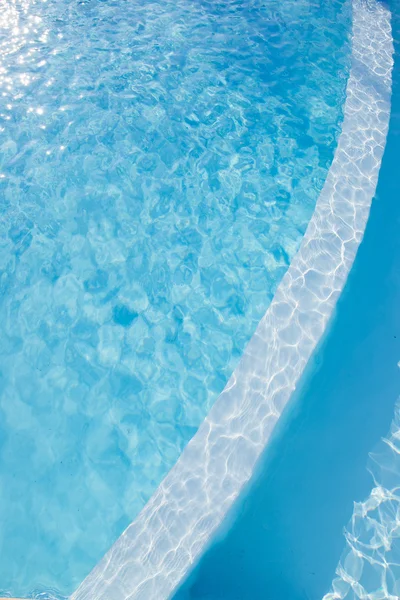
pixel 159 163
pixel 370 565
pixel 156 551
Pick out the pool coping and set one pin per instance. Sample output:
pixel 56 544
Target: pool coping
pixel 156 551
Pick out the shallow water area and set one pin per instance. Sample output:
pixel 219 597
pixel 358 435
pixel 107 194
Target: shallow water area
pixel 159 163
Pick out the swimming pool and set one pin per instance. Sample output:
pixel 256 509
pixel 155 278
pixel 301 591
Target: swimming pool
pixel 285 535
pixel 159 165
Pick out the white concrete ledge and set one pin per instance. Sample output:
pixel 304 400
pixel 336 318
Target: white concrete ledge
pixel 156 551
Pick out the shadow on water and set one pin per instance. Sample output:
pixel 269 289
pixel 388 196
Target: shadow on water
pixel 284 537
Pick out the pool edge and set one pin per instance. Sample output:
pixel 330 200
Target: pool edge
pixel 156 551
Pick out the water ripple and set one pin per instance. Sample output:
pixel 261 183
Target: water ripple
pixel 159 163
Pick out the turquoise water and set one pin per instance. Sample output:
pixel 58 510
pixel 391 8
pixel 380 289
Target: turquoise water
pixel 159 162
pixel 284 538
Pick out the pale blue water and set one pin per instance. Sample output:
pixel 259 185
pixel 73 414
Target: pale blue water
pixel 159 162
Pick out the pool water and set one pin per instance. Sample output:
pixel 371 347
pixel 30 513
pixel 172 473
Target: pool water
pixel 320 517
pixel 159 163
